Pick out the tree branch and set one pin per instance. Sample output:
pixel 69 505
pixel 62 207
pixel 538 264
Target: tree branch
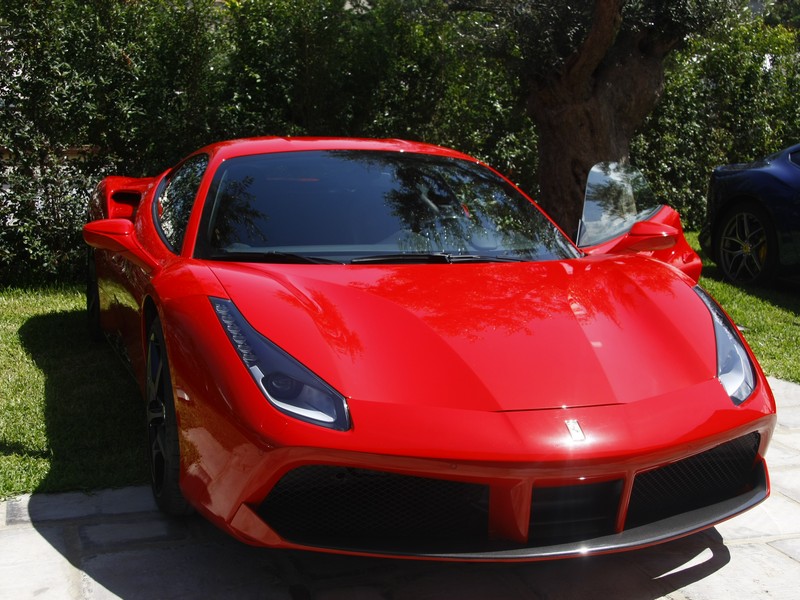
pixel 606 22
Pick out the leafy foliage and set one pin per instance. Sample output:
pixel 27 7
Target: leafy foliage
pixel 730 98
pixel 394 68
pixel 93 88
pixel 784 12
pixel 119 85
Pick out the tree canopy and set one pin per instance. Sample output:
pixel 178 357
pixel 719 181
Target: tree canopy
pixel 590 74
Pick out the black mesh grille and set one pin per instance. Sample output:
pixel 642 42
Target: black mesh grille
pixel 560 515
pixel 359 508
pixel 366 510
pixel 695 482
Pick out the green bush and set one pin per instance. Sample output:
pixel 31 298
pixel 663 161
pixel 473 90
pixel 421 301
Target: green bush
pixel 125 86
pixel 727 99
pixel 42 210
pixel 133 86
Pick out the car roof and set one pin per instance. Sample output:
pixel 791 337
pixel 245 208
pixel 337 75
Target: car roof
pixel 266 145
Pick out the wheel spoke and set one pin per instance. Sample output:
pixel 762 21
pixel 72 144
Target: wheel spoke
pixel 756 236
pixel 157 442
pixel 731 241
pixel 156 417
pixel 154 368
pixel 736 266
pixel 743 247
pixel 155 413
pixel 754 266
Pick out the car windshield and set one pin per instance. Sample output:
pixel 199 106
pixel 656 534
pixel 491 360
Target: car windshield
pixel 617 196
pixel 370 207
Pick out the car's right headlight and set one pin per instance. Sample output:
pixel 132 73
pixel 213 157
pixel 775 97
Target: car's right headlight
pixel 287 384
pixel 735 371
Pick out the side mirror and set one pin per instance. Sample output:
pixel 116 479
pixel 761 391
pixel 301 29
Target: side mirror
pixel 648 236
pixel 617 196
pixel 117 236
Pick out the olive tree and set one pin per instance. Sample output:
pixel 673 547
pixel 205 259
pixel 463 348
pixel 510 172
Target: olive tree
pixel 592 72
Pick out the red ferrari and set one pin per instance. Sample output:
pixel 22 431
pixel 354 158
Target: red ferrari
pixel 385 348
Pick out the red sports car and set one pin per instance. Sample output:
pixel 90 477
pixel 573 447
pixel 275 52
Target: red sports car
pixel 385 348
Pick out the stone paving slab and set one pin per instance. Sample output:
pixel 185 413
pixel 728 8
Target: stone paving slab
pixel 115 544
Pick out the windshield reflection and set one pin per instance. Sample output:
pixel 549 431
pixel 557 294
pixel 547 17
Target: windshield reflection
pixel 345 205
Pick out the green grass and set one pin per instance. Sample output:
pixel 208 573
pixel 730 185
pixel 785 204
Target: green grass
pixel 71 417
pixel 769 318
pixel 70 414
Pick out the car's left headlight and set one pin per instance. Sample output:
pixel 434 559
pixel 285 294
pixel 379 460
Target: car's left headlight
pixel 734 368
pixel 286 383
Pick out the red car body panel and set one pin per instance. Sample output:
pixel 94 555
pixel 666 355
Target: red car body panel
pixel 460 372
pixel 676 251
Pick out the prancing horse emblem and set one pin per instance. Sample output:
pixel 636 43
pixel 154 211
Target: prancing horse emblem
pixel 575 430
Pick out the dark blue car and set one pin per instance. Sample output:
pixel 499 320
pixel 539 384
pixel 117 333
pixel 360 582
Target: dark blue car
pixel 752 228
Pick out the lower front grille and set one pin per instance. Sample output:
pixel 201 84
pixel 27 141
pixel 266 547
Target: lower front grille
pixel 375 511
pixel 695 482
pixel 570 513
pixel 359 508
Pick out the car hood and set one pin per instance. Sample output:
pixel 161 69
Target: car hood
pixel 489 337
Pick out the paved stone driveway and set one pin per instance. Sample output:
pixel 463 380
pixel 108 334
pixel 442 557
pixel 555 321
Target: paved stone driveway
pixel 114 544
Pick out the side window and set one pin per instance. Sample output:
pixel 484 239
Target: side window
pixel 174 204
pixel 795 158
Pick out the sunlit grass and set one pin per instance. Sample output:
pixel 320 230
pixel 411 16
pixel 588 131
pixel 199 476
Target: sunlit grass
pixel 769 318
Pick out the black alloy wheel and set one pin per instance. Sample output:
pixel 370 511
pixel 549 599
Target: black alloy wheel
pixel 746 245
pixel 162 429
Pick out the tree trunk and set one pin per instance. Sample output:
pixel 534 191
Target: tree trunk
pixel 590 113
pixel 588 100
pixel 572 138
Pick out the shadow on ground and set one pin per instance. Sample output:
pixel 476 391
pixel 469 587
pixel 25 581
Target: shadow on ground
pixel 92 408
pixel 639 575
pixel 783 293
pixel 145 555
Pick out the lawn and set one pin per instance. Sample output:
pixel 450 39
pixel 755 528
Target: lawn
pixel 71 417
pixel 70 414
pixel 768 317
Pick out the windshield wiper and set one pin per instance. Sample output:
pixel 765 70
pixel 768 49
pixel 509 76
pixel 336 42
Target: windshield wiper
pixel 429 258
pixel 275 257
pixel 457 258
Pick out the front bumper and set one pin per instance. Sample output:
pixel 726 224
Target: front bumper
pixel 491 514
pixel 444 484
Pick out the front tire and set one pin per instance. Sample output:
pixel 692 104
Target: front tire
pixel 162 428
pixel 746 245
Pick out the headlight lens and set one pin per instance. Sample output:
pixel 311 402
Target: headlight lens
pixel 287 384
pixel 734 369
